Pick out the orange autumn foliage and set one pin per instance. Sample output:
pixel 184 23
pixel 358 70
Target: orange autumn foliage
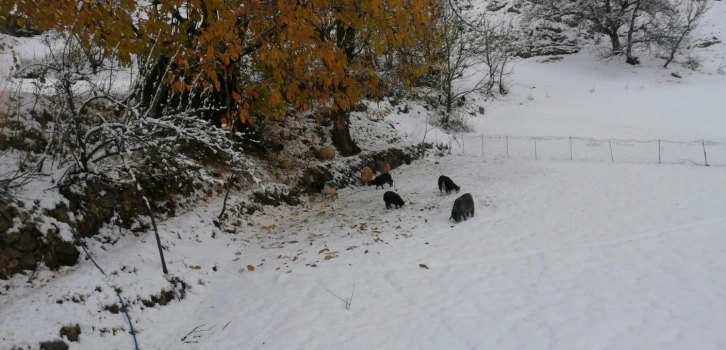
pixel 263 57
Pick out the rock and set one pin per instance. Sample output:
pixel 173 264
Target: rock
pixel 54 345
pixel 11 253
pixel 494 6
pixel 60 213
pixel 6 218
pixel 71 332
pixel 59 253
pixel 28 239
pixel 28 262
pixel 276 195
pixel 708 42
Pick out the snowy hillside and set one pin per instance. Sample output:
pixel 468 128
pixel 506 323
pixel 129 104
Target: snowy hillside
pixel 561 254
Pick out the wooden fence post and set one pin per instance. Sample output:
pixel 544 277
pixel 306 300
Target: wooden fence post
pixel 570 147
pixel 612 160
pixel 507 138
pixel 659 159
pixel 535 147
pixel 705 159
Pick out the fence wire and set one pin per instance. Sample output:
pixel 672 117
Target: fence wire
pixel 662 151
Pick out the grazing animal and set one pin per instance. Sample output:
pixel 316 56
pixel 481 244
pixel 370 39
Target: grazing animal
pixel 392 198
pixel 446 184
pixel 462 206
pixel 384 168
pixel 330 192
pixel 382 179
pixel 325 153
pixel 366 175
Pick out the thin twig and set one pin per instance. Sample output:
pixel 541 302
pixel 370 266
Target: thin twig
pixel 347 302
pixel 341 299
pixel 225 326
pixel 350 301
pixel 196 329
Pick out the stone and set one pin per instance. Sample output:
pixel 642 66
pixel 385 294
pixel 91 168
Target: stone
pixel 54 345
pixel 28 239
pixel 71 332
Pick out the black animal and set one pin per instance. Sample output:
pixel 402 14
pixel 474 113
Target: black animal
pixel 382 179
pixel 392 198
pixel 445 183
pixel 462 206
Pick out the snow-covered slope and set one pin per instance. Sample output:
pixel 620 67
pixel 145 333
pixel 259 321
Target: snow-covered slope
pixel 582 95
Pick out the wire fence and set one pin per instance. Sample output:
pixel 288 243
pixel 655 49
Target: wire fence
pixel 661 151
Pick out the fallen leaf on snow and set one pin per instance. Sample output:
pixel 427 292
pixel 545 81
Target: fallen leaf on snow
pixel 423 266
pixel 250 267
pixel 195 267
pixel 328 257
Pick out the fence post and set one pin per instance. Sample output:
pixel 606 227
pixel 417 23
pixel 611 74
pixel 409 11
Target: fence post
pixel 659 152
pixel 507 138
pixel 535 147
pixel 482 145
pixel 570 147
pixel 612 159
pixel 463 148
pixel 705 159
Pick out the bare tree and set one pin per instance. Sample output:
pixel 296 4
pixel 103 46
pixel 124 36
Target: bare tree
pixel 475 48
pixel 666 24
pixel 101 132
pixel 606 17
pixel 674 30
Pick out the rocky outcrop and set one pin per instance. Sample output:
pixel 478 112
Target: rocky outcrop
pixel 27 246
pixel 346 171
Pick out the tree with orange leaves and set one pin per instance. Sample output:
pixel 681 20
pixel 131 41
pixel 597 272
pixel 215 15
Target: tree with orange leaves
pixel 239 61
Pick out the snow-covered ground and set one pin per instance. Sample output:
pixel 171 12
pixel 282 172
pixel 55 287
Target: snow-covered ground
pixel 561 254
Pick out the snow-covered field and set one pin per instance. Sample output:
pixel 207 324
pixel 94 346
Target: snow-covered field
pixel 561 254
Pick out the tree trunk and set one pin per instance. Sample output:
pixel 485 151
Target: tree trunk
pixel 615 41
pixel 340 133
pixel 631 29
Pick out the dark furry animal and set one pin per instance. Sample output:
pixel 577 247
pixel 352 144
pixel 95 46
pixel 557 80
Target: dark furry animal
pixel 445 183
pixel 382 179
pixel 462 206
pixel 392 198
